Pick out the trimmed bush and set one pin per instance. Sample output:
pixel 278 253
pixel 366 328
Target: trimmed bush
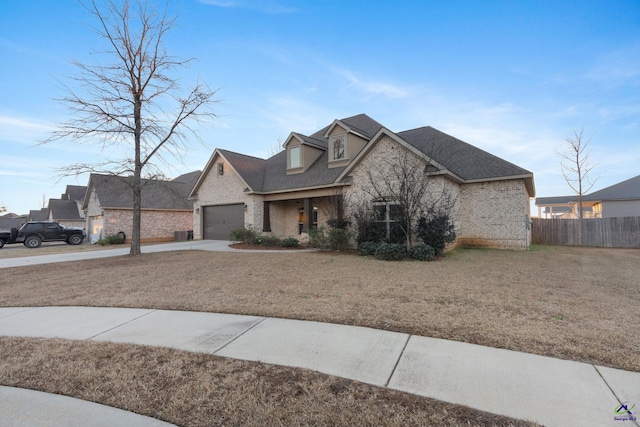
pixel 115 239
pixel 244 235
pixel 339 239
pixel 268 241
pixel 436 232
pixel 391 252
pixel 367 248
pixel 422 253
pixel 290 242
pixel 318 239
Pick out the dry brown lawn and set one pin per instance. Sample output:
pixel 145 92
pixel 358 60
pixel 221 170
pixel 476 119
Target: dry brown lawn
pixel 191 389
pixel 573 303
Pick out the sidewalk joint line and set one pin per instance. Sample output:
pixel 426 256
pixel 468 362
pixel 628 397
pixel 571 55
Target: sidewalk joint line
pixel 122 324
pixel 241 334
pixel 393 371
pixel 610 388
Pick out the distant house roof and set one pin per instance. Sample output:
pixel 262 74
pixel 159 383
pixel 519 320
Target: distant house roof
pixel 116 192
pixel 63 209
pixel 38 214
pixel 557 200
pixel 625 190
pixel 76 192
pixel 465 161
pixel 11 220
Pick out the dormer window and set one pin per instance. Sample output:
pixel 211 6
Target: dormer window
pixel 295 159
pixel 338 146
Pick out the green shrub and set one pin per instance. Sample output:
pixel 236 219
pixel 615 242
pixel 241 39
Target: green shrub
pixel 367 248
pixel 422 253
pixel 391 252
pixel 339 239
pixel 436 232
pixel 290 242
pixel 318 238
pixel 244 235
pixel 268 240
pixel 115 239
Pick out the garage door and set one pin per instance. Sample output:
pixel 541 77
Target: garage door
pixel 218 221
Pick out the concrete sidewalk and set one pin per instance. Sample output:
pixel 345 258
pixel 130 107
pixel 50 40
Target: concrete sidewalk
pixel 196 245
pixel 550 391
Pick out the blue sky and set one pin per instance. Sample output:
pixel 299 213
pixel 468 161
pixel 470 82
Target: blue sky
pixel 511 77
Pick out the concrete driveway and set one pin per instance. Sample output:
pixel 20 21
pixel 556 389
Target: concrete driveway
pixel 190 245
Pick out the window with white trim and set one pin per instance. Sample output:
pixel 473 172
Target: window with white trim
pixel 295 160
pixel 388 215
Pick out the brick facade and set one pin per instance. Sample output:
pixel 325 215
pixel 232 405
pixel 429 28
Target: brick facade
pixel 495 214
pixel 225 189
pixel 155 225
pixel 487 214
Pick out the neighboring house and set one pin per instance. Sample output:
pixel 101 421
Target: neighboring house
pixel 67 210
pixel 37 215
pixel 618 200
pixel 323 175
pixel 11 220
pixel 165 207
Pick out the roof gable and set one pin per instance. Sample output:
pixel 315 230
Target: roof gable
pixel 462 161
pixel 61 209
pixel 116 192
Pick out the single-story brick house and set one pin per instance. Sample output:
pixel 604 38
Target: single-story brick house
pixel 297 189
pixel 165 207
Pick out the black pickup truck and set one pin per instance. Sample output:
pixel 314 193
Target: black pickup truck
pixel 33 233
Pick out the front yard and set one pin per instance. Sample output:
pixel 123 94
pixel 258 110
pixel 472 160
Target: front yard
pixel 573 303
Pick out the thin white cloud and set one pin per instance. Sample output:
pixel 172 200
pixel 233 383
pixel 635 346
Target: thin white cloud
pixel 265 6
pixel 373 88
pixel 617 68
pixel 19 129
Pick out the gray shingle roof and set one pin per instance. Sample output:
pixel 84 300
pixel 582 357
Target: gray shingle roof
pixel 64 209
pixel 251 169
pixel 38 215
pixel 317 174
pixel 11 220
pixel 116 192
pixel 462 159
pixel 555 200
pixel 76 192
pixel 625 190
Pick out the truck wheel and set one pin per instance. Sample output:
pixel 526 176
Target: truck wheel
pixel 33 242
pixel 76 239
pixel 1 243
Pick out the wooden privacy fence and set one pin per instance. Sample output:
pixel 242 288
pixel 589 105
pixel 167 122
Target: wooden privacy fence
pixel 601 232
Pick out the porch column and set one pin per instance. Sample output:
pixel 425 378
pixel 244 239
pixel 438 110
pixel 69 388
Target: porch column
pixel 266 217
pixel 308 215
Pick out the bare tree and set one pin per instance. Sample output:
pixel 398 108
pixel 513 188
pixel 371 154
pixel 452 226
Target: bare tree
pixel 134 100
pixel 3 208
pixel 404 190
pixel 44 202
pixel 576 166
